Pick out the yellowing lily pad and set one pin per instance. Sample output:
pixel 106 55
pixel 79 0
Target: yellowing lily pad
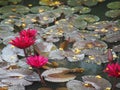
pixel 114 5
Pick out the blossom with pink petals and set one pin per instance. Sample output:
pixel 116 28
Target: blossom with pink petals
pixel 37 61
pixel 29 32
pixel 113 70
pixel 22 42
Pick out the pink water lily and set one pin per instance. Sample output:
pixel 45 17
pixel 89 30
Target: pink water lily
pixel 37 61
pixel 29 33
pixel 113 70
pixel 22 42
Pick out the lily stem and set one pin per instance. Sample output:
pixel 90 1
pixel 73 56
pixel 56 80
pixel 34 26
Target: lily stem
pixel 41 78
pixel 114 84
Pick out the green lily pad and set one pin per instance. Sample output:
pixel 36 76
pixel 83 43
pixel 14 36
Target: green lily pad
pixel 114 5
pixel 14 8
pixel 66 10
pixel 113 13
pixel 89 18
pixel 90 2
pixel 3 2
pixel 80 9
pixel 74 2
pixel 6 28
pixel 81 24
pixel 84 10
pixel 50 2
pixel 39 9
pixel 13 1
pixel 9 22
pixel 10 15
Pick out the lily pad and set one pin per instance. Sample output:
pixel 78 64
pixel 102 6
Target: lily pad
pixel 10 15
pixel 67 10
pixel 14 8
pixel 3 2
pixel 39 9
pixel 81 24
pixel 14 1
pixel 50 2
pixel 9 22
pixel 113 13
pixel 84 9
pixel 6 28
pixel 90 2
pixel 114 5
pixel 74 2
pixel 89 18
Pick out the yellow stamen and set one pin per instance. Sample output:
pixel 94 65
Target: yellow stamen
pixel 108 88
pixel 98 76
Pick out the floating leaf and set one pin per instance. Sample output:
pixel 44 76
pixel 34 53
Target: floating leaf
pixel 56 75
pixel 89 18
pixel 114 5
pixel 84 10
pixel 39 9
pixel 14 8
pixel 3 2
pixel 6 28
pixel 90 2
pixel 113 13
pixel 50 2
pixel 81 24
pixel 74 2
pixel 10 15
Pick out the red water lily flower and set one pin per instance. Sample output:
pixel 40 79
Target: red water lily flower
pixel 113 70
pixel 37 61
pixel 29 33
pixel 22 42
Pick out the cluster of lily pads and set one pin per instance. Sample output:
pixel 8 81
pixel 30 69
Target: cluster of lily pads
pixel 115 10
pixel 65 32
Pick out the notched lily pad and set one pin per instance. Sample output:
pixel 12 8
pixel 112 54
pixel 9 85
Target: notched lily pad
pixel 114 5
